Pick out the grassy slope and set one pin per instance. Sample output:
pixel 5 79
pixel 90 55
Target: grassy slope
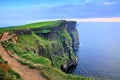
pixel 25 41
pixel 29 41
pixel 47 70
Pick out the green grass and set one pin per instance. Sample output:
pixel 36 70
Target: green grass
pixel 36 59
pixel 59 60
pixel 66 38
pixel 30 40
pixel 26 54
pixel 42 24
pixel 48 24
pixel 55 74
pixel 45 31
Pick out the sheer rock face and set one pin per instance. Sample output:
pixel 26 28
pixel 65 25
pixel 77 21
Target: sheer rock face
pixel 71 28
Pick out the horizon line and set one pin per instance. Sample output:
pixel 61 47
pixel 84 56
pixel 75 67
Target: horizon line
pixel 112 19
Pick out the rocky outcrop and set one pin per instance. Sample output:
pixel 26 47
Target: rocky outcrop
pixel 22 32
pixel 69 65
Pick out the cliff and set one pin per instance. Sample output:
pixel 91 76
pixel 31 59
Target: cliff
pixel 54 40
pixel 62 40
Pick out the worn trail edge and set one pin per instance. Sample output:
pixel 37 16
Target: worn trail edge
pixel 25 72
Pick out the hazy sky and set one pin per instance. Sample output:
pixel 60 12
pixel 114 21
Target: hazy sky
pixel 13 12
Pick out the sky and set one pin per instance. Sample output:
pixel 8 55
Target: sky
pixel 16 12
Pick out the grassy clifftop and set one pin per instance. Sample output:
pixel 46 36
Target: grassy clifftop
pixel 47 24
pixel 46 43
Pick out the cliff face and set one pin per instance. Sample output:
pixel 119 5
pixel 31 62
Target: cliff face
pixel 63 40
pixel 71 28
pixel 56 43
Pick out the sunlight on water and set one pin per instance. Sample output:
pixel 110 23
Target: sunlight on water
pixel 99 52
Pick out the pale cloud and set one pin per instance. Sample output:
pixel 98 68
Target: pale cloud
pixel 109 3
pixel 101 2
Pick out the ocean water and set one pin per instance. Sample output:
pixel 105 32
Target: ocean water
pixel 99 50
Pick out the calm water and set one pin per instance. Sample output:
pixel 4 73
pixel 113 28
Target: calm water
pixel 99 51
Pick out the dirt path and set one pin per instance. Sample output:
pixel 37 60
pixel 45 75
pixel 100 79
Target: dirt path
pixel 25 72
